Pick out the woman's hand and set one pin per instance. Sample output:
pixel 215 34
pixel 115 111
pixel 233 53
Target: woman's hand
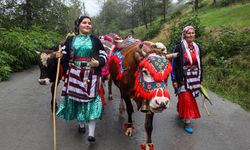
pixel 58 54
pixel 175 85
pixel 94 62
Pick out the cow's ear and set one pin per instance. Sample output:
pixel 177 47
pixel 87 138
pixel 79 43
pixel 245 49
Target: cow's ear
pixel 153 46
pixel 140 50
pixel 138 56
pixel 38 53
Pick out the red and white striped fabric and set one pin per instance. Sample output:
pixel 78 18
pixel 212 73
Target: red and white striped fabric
pixel 193 81
pixel 81 84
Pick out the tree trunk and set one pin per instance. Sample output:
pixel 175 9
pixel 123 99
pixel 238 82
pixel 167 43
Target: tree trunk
pixel 144 14
pixel 196 4
pixel 28 13
pixel 164 10
pixel 214 3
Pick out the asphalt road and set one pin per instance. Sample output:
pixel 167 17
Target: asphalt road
pixel 26 123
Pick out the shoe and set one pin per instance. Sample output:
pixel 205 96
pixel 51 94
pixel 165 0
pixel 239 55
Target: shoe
pixel 91 139
pixel 81 130
pixel 188 128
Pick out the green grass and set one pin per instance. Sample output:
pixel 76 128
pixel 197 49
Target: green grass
pixel 234 86
pixel 235 15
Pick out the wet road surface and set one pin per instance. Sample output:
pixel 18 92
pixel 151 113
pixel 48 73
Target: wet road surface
pixel 26 123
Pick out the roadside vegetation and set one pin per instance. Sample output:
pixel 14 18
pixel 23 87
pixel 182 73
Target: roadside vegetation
pixel 224 33
pixel 18 46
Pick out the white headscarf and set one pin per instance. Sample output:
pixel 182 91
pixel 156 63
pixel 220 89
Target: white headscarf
pixel 196 48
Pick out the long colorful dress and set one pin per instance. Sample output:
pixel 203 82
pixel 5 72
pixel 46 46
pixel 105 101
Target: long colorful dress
pixel 187 73
pixel 187 105
pixel 70 108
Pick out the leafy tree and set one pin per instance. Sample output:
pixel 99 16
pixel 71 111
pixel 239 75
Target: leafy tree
pixel 50 14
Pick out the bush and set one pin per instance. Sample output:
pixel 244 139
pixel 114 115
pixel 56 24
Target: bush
pixel 175 14
pixel 21 45
pixel 227 43
pixel 5 61
pixel 152 31
pixel 226 64
pixel 228 2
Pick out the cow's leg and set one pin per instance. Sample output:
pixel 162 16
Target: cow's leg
pixel 149 125
pixel 52 93
pixel 121 107
pixel 148 128
pixel 129 126
pixel 110 88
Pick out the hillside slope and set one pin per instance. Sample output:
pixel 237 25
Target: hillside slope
pixel 226 43
pixel 235 15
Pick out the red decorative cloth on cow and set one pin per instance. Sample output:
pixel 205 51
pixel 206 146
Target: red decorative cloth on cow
pixel 159 68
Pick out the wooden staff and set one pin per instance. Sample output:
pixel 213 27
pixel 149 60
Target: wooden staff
pixel 204 104
pixel 54 98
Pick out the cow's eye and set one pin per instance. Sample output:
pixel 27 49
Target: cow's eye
pixel 145 72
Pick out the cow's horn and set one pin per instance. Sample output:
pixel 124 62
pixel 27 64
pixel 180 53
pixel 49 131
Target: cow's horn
pixel 38 52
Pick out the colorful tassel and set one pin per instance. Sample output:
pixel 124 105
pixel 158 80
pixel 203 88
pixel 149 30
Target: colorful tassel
pixel 117 63
pixel 102 95
pixel 147 146
pixel 127 125
pixel 143 146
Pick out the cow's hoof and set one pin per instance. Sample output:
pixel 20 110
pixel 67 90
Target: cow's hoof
pixel 148 146
pixel 129 127
pixel 129 132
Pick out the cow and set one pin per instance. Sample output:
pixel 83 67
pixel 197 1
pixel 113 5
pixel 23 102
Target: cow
pixel 111 42
pixel 48 68
pixel 140 71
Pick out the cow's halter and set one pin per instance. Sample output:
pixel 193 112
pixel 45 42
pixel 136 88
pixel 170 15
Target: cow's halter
pixel 159 69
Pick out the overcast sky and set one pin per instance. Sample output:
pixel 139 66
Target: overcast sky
pixel 93 7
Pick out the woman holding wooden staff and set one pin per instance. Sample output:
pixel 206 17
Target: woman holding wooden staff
pixel 85 56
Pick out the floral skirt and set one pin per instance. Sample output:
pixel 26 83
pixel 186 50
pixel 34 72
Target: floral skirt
pixel 187 106
pixel 82 111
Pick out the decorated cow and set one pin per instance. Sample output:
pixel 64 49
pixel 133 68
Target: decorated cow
pixel 140 70
pixel 111 42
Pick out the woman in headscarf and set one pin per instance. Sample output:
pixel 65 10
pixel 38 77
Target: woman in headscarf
pixel 187 77
pixel 83 56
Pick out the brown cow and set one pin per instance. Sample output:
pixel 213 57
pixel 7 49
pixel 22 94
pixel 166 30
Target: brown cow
pixel 140 71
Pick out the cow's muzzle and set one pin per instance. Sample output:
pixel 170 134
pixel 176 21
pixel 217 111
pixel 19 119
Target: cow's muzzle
pixel 45 81
pixel 158 104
